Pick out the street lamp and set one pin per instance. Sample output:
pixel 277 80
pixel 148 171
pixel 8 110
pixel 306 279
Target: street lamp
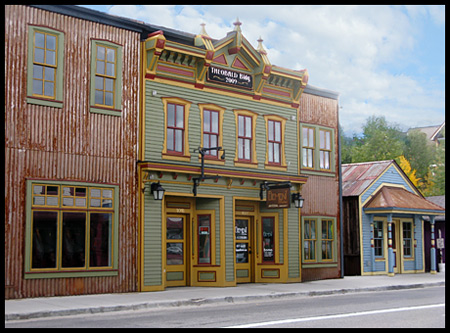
pixel 157 190
pixel 297 200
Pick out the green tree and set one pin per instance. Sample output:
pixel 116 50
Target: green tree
pixel 419 152
pixel 380 141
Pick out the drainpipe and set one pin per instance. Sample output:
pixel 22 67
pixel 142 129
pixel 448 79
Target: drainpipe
pixel 341 222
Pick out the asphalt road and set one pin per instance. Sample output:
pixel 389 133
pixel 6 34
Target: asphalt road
pixel 418 308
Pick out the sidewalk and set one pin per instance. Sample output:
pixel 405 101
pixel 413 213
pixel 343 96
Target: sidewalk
pixel 179 296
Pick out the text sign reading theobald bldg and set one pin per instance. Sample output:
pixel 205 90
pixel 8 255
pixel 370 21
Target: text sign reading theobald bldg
pixel 227 76
pixel 278 198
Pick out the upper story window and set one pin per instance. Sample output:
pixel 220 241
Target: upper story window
pixel 106 77
pixel 176 145
pixel 212 119
pixel 275 153
pixel 317 148
pixel 245 141
pixel 45 66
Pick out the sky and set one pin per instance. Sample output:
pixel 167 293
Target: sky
pixel 382 60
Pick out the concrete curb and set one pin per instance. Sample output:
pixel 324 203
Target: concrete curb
pixel 204 301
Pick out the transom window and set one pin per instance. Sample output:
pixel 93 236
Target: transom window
pixel 44 64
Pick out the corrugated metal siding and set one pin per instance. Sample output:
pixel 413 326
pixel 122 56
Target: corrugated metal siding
pixel 67 144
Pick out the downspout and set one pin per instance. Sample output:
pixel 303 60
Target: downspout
pixel 341 222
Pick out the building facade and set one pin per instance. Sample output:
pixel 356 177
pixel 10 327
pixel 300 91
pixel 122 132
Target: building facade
pixel 383 221
pixel 71 128
pixel 231 138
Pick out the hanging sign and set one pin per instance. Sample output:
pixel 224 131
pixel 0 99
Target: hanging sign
pixel 278 197
pixel 238 79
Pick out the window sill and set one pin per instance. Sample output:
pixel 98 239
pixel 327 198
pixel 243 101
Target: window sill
pixel 70 274
pixel 45 102
pixel 106 111
pixel 175 157
pixel 243 164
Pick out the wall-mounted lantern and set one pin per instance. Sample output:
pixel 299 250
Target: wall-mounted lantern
pixel 157 190
pixel 297 200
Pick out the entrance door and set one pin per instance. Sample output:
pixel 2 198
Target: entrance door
pixel 177 249
pixel 396 244
pixel 244 250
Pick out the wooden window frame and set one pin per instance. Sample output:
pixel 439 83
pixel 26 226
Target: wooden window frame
pixel 378 240
pixel 316 150
pixel 318 240
pixel 166 153
pixel 220 111
pixel 116 109
pixel 308 146
pixel 252 162
pixel 33 206
pixel 57 99
pixel 281 165
pixel 411 239
pixel 311 241
pixel 323 150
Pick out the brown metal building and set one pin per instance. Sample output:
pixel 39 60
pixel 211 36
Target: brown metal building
pixel 70 155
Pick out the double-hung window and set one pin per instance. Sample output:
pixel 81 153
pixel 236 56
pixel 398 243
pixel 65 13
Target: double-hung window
pixel 378 236
pixel 407 239
pixel 176 143
pixel 72 229
pixel 317 149
pixel 245 141
pixel 106 77
pixel 309 239
pixel 211 119
pixel 45 66
pixel 275 153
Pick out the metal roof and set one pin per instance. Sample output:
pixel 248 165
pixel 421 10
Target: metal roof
pixel 356 177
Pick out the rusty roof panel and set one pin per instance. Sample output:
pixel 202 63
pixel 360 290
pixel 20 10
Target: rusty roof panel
pixel 356 177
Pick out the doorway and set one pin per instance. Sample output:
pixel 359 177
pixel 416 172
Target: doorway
pixel 244 252
pixel 396 245
pixel 177 250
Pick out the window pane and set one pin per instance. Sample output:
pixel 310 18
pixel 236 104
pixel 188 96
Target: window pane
pixel 170 115
pixel 109 84
pixel 110 69
pixel 100 67
pixel 305 137
pixel 49 88
pixel 100 239
pixel 276 153
pixel 170 139
pixel 50 57
pixel 213 144
pixel 247 149
pixel 109 99
pixel 178 140
pixel 277 131
pixel 100 52
pixel 206 141
pixel 215 122
pixel 39 39
pixel 73 240
pixel 241 253
pixel 310 158
pixel 44 240
pixel 204 239
pixel 271 128
pixel 241 148
pixel 174 254
pixel 38 189
pixel 248 127
pixel 304 157
pixel 98 97
pixel 241 125
pixel 174 228
pixel 39 55
pixel 49 74
pixel 311 137
pixel 241 229
pixel 38 72
pixel 268 239
pixel 206 121
pixel 99 83
pixel 180 116
pixel 270 152
pixel 111 55
pixel 322 139
pixel 328 141
pixel 51 42
pixel 37 87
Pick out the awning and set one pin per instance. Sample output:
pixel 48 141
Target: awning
pixel 398 200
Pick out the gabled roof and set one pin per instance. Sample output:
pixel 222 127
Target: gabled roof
pixel 397 199
pixel 357 177
pixel 432 132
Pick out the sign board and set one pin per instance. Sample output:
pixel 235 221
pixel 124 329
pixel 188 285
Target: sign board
pixel 440 243
pixel 234 78
pixel 278 197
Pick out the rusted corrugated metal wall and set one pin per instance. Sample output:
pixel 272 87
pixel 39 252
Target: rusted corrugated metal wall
pixel 321 193
pixel 68 144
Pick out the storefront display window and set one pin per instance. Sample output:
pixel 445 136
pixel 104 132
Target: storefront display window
pixel 204 239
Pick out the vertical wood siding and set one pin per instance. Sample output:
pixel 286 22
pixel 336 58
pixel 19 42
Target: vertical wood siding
pixel 68 143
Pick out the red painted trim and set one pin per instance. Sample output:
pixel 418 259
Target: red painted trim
pixel 156 33
pixel 175 71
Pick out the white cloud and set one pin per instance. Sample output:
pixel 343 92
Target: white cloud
pixel 363 52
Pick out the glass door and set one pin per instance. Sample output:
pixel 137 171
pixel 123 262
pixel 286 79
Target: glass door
pixel 177 250
pixel 244 254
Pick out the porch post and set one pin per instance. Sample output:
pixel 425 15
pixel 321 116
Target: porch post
pixel 372 248
pixel 433 247
pixel 390 250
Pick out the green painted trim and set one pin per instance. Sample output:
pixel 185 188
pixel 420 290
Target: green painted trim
pixel 110 271
pixel 118 86
pixel 319 265
pixel 59 84
pixel 321 262
pixel 316 170
pixel 318 173
pixel 94 109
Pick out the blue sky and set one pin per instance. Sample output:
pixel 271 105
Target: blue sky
pixel 383 60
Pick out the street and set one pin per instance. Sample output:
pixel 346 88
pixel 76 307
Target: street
pixel 408 308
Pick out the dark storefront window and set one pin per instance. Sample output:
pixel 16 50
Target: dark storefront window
pixel 268 239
